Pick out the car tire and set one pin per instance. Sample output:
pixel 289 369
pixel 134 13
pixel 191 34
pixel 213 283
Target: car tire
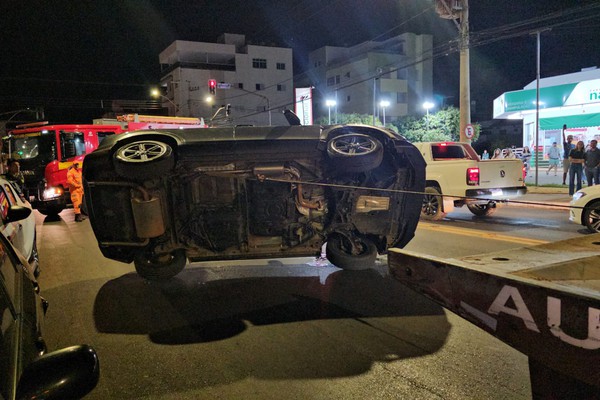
pixel 355 152
pixel 591 216
pixel 432 208
pixel 338 251
pixel 481 210
pixel 162 268
pixel 144 159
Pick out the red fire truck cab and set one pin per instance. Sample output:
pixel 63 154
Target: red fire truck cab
pixel 45 152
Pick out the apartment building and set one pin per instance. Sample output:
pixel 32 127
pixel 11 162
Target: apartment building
pixel 397 71
pixel 255 81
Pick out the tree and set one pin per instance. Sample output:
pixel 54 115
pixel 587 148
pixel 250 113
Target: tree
pixel 442 125
pixel 354 118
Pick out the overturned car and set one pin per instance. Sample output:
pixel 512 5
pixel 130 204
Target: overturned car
pixel 159 198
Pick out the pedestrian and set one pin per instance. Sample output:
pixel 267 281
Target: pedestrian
pixel 576 160
pixel 592 163
pixel 567 147
pixel 509 154
pixel 485 155
pixel 553 158
pixel 525 157
pixel 74 179
pixel 15 176
pixel 497 154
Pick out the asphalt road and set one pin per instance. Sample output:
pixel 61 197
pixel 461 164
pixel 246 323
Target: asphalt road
pixel 272 329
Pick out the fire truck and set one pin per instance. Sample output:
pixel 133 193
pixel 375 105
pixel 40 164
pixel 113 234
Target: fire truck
pixel 45 152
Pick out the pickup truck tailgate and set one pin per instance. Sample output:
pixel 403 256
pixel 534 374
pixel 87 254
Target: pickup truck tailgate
pixel 500 173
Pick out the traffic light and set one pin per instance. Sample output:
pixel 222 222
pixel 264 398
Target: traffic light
pixel 212 86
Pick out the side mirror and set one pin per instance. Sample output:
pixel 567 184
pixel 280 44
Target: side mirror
pixel 70 373
pixel 291 117
pixel 17 213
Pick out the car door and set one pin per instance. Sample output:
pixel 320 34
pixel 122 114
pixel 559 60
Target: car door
pixel 20 233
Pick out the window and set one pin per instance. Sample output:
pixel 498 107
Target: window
pixel 348 98
pixel 401 97
pixel 71 144
pixel 331 81
pixel 448 152
pixel 347 75
pixel 281 66
pixel 260 86
pixel 260 63
pixel 337 79
pixel 240 85
pixel 280 88
pixel 103 135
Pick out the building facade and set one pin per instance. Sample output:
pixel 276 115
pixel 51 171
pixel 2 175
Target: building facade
pixel 571 100
pixel 397 71
pixel 255 81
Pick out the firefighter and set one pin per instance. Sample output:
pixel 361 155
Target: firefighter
pixel 74 180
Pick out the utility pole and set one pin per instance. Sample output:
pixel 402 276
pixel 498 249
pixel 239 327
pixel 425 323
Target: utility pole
pixel 465 81
pixel 459 9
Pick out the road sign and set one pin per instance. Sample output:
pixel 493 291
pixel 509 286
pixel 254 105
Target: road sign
pixel 469 131
pixel 223 85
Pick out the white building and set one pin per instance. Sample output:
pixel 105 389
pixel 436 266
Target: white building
pixel 256 81
pixel 358 78
pixel 571 100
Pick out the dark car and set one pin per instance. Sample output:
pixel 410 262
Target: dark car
pixel 158 198
pixel 26 371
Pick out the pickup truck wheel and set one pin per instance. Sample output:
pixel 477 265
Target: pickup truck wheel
pixel 159 268
pixel 432 208
pixel 143 159
pixel 355 152
pixel 357 255
pixel 591 216
pixel 481 210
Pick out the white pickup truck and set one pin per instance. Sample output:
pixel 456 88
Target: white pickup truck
pixel 456 176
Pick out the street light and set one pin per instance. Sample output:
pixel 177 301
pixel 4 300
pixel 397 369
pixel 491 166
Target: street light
pixel 427 105
pixel 384 104
pixel 157 94
pixel 329 104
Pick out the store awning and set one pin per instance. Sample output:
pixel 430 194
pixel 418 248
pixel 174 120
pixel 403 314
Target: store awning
pixel 572 121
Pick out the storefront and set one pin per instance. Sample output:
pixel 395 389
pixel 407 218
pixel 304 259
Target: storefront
pixel 572 100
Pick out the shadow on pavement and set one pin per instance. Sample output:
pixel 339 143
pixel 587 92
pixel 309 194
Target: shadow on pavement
pixel 193 309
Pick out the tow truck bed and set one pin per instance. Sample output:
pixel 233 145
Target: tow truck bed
pixel 542 300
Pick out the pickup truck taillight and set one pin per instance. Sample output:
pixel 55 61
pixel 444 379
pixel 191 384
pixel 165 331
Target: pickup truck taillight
pixel 472 176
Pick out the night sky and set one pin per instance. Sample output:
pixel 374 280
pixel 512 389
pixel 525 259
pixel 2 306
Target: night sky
pixel 70 56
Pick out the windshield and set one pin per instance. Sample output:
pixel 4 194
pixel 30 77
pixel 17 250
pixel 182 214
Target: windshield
pixel 30 147
pixel 24 148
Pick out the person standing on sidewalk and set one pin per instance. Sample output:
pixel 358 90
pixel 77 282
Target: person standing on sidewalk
pixel 567 147
pixel 592 163
pixel 576 160
pixel 553 158
pixel 74 180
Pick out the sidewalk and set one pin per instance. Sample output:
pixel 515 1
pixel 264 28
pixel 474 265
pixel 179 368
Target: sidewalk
pixel 544 196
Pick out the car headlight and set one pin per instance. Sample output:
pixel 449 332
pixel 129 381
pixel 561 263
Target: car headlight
pixel 578 195
pixel 52 193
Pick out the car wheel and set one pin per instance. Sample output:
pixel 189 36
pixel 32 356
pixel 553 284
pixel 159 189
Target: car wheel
pixel 159 268
pixel 432 208
pixel 355 152
pixel 357 255
pixel 591 216
pixel 481 210
pixel 144 159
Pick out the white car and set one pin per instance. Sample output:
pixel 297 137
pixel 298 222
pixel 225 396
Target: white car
pixel 587 211
pixel 17 224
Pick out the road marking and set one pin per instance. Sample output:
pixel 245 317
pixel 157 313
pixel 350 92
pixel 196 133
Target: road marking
pixel 479 233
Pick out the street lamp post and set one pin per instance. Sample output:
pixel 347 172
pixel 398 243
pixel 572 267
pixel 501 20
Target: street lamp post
pixel 329 104
pixel 157 94
pixel 427 106
pixel 384 104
